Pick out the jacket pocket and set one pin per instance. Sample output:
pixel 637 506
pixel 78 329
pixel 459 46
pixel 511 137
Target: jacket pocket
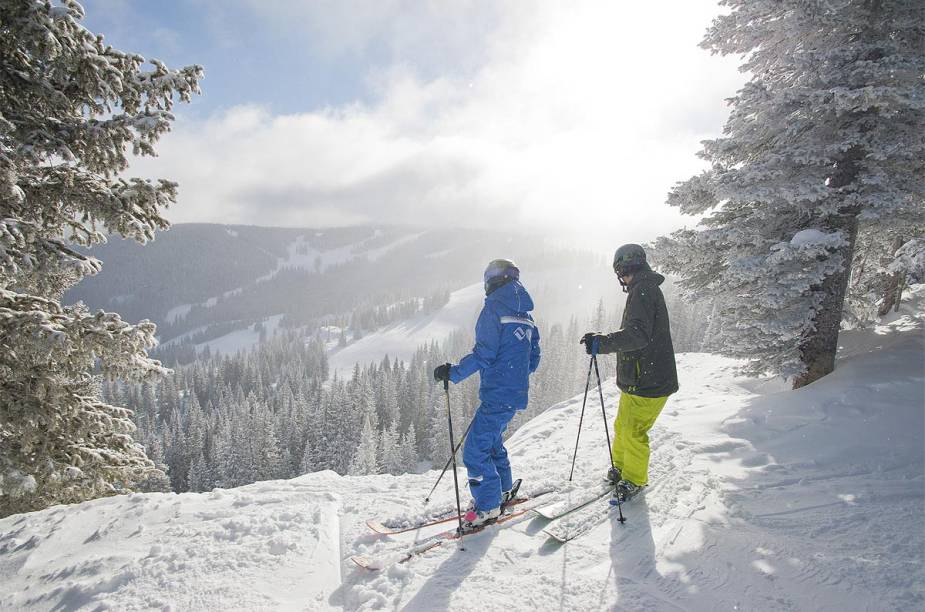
pixel 628 372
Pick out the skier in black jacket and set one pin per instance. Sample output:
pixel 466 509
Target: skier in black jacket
pixel 646 372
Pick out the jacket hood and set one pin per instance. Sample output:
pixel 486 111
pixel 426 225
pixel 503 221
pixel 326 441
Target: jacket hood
pixel 513 296
pixel 647 276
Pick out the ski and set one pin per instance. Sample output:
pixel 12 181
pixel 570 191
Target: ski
pixel 573 501
pixel 569 526
pixel 383 529
pixel 376 563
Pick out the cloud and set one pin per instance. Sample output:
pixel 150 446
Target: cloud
pixel 434 35
pixel 577 118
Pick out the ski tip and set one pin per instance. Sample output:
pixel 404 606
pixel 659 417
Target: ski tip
pixel 378 527
pixel 557 537
pixel 366 563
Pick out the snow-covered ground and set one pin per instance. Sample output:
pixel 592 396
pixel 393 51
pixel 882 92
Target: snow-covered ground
pixel 241 339
pixel 760 499
pixel 178 312
pixel 234 341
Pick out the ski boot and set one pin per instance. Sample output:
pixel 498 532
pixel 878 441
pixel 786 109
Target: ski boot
pixel 474 519
pixel 624 491
pixel 507 496
pixel 613 475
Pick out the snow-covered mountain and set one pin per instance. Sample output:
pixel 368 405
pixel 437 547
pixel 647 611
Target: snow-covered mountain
pixel 761 499
pixel 226 287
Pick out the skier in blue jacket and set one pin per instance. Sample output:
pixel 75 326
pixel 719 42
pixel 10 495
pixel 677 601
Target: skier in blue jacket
pixel 506 352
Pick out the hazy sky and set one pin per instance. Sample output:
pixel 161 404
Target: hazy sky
pixel 562 117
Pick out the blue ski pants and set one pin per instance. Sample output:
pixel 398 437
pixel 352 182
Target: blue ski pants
pixel 485 457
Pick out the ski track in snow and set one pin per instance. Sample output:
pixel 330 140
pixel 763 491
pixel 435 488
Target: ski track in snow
pixel 778 500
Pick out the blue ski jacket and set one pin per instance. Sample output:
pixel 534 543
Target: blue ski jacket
pixel 507 348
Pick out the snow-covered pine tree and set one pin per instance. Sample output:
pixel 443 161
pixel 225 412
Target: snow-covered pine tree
pixel 198 474
pixel 265 461
pixel 389 451
pixel 437 443
pixel 830 130
pixel 365 460
pixel 70 107
pixel 306 465
pixel 194 433
pixel 298 426
pixel 408 450
pixel 179 454
pixel 599 321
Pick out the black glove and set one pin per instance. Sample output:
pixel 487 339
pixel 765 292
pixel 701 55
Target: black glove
pixel 442 372
pixel 592 342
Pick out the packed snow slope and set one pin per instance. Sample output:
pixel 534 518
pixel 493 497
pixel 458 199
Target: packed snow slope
pixel 402 339
pixel 761 498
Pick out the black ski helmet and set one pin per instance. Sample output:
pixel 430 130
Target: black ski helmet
pixel 629 258
pixel 499 273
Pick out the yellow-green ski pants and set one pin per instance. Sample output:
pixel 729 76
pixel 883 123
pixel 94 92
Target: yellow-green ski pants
pixel 635 417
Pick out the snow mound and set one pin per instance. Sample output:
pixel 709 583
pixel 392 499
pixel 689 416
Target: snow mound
pixel 760 498
pixel 815 238
pixel 262 547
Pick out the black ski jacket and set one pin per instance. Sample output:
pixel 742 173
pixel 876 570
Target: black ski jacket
pixel 645 355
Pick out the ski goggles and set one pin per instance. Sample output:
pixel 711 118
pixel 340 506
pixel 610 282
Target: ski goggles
pixel 625 266
pixel 493 274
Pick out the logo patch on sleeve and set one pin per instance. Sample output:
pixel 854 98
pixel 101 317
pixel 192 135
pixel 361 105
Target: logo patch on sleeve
pixel 523 334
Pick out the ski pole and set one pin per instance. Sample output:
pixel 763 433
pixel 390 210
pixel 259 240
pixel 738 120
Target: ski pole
pixel 449 418
pixel 600 390
pixel 582 418
pixel 449 461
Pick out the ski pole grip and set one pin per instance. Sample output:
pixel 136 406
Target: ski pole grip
pixel 595 345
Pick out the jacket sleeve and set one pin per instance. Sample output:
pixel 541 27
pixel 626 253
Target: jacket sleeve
pixel 535 350
pixel 640 323
pixel 485 351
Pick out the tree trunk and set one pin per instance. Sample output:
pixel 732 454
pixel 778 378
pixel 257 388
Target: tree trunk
pixel 817 350
pixel 892 294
